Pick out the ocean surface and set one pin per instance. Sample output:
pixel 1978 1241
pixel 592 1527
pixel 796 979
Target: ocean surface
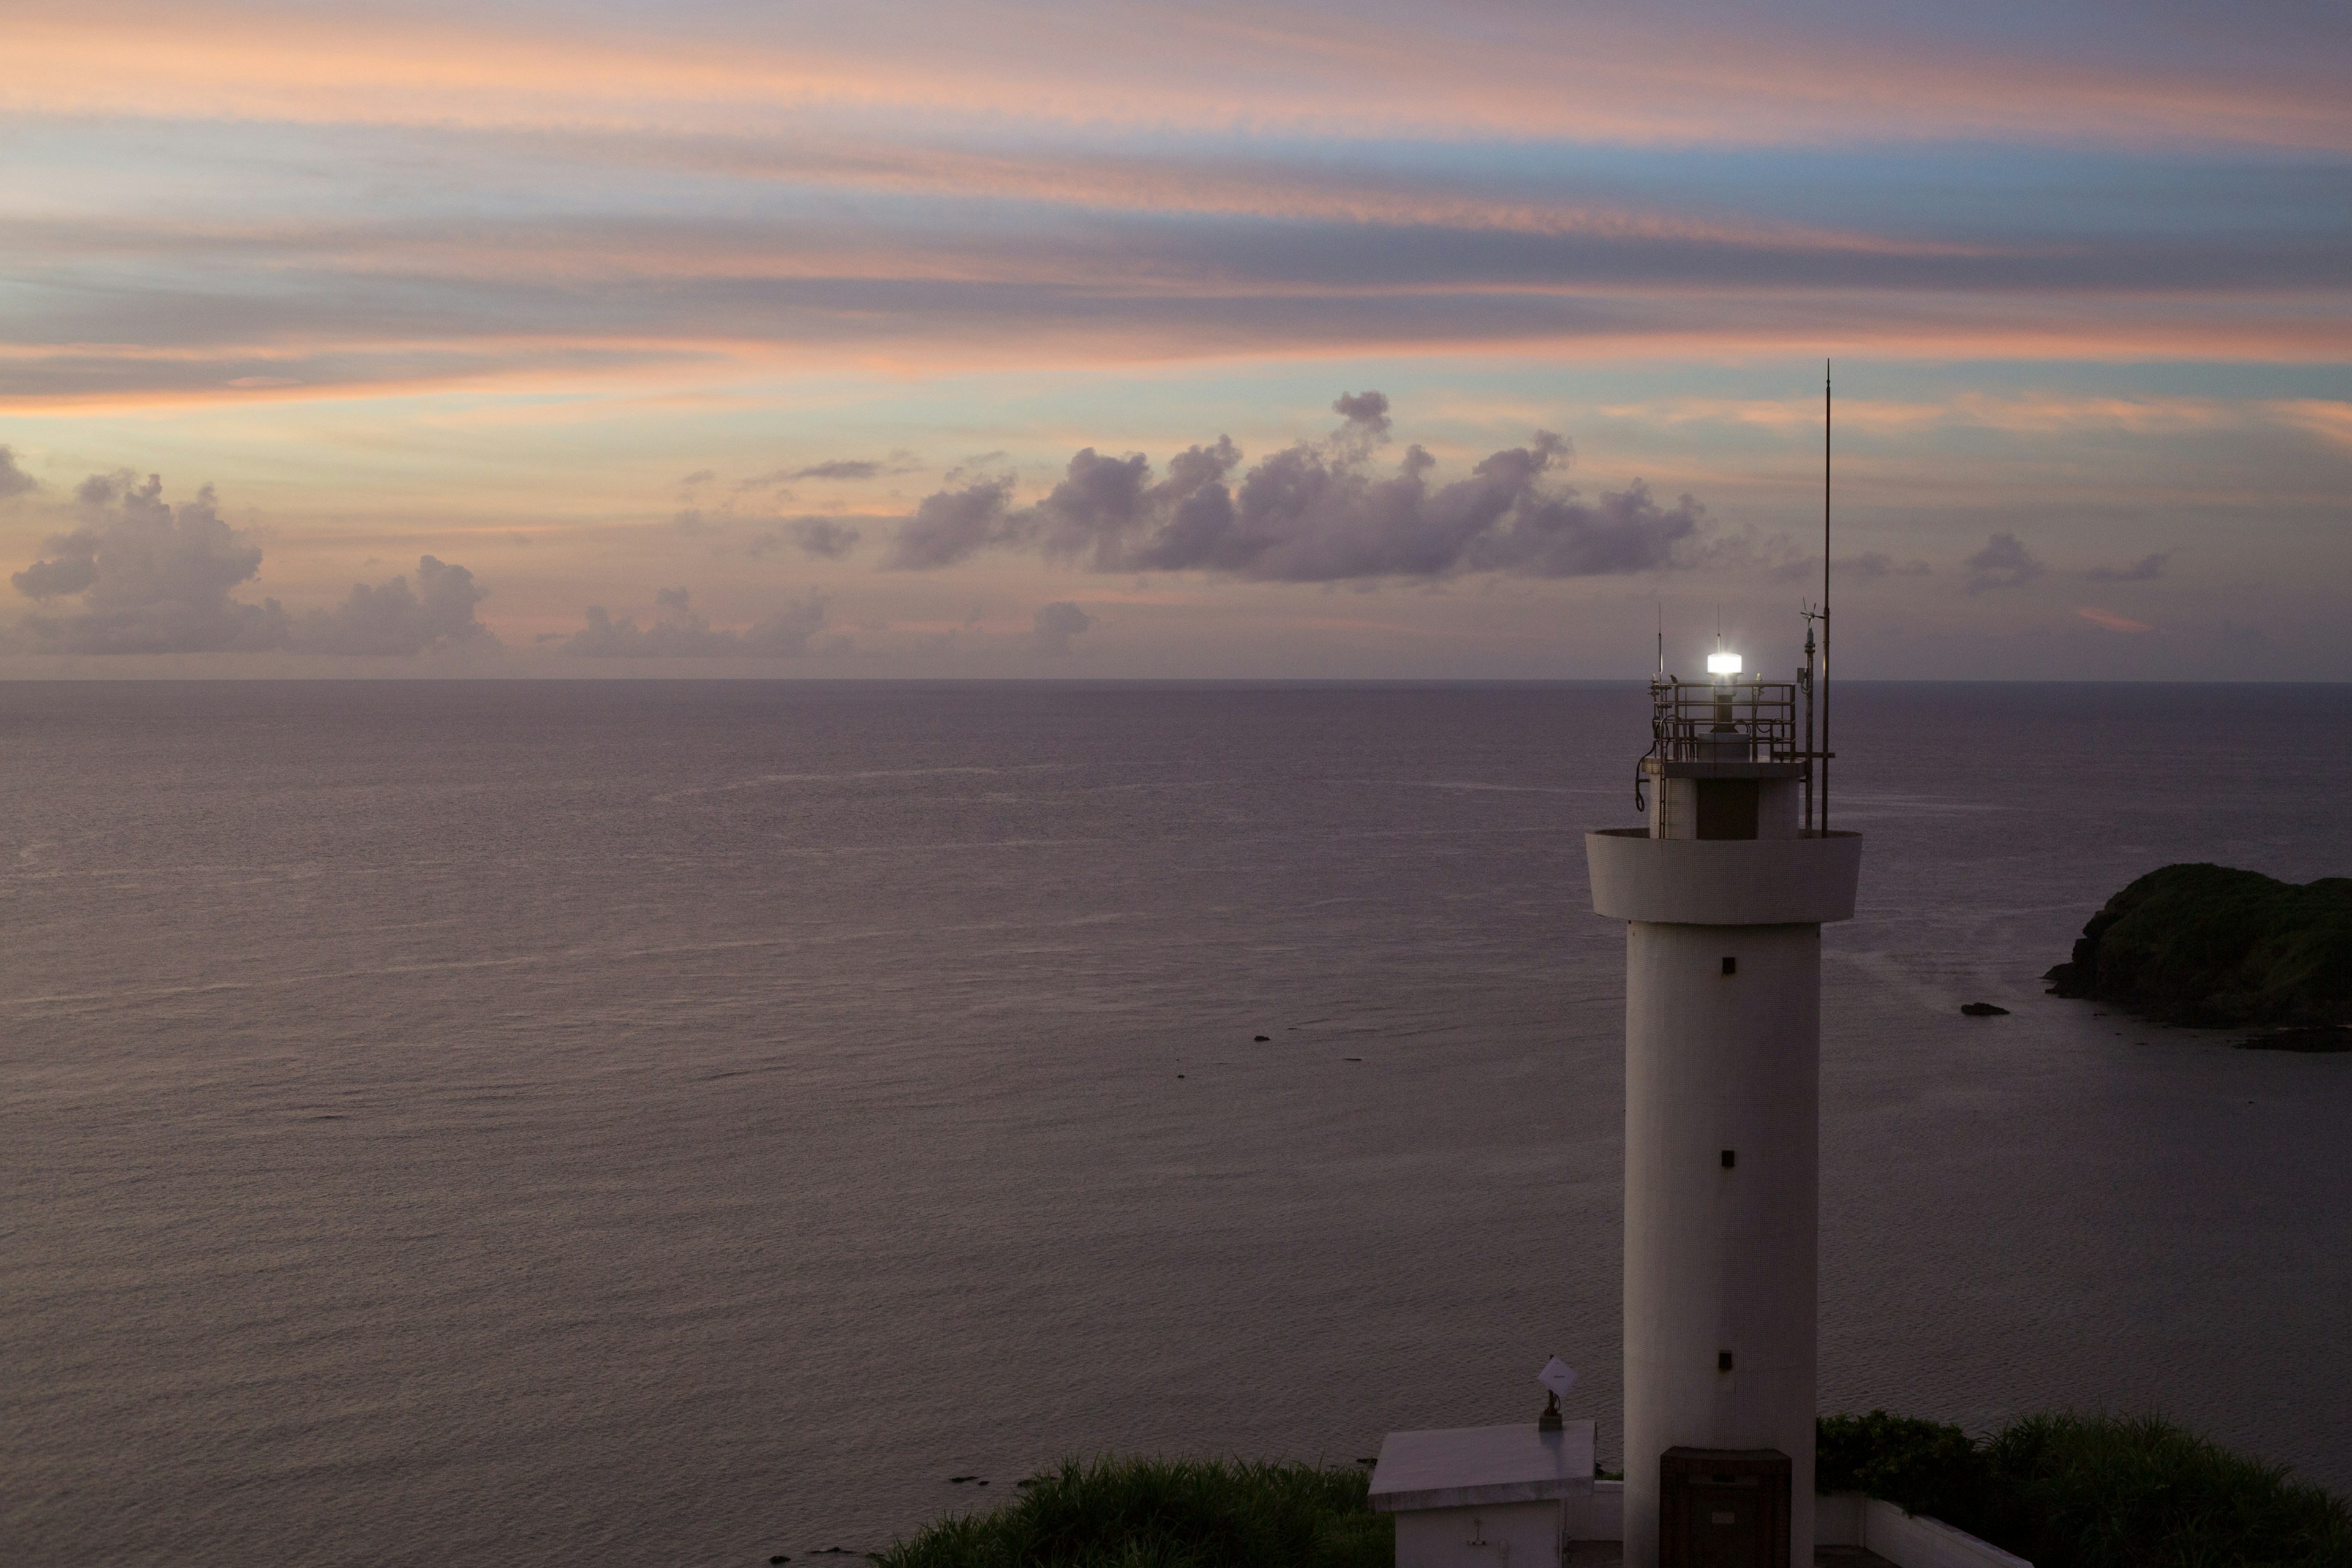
pixel 680 1123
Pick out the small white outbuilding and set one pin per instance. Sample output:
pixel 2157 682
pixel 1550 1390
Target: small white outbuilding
pixel 1483 1496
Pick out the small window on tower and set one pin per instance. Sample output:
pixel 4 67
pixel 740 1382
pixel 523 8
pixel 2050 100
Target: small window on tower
pixel 1731 966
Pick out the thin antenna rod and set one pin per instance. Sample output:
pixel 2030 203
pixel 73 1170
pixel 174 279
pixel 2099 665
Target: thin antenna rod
pixel 1825 597
pixel 1662 639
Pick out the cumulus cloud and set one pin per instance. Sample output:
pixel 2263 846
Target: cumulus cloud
pixel 393 619
pixel 1313 512
pixel 2004 563
pixel 822 538
pixel 1056 624
pixel 681 631
pixel 2146 569
pixel 14 481
pixel 1366 410
pixel 152 577
pixel 952 524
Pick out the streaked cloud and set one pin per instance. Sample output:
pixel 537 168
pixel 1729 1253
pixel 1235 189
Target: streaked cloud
pixel 1669 73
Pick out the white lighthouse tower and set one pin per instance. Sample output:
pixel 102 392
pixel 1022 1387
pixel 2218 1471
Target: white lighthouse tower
pixel 1723 894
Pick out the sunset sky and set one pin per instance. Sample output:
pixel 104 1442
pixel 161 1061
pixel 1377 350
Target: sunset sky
pixel 1457 341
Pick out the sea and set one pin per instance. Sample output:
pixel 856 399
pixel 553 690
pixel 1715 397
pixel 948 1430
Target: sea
pixel 676 1122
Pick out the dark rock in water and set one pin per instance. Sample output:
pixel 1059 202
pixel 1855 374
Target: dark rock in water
pixel 2321 1039
pixel 959 1480
pixel 2210 946
pixel 1262 1040
pixel 773 1561
pixel 1983 1010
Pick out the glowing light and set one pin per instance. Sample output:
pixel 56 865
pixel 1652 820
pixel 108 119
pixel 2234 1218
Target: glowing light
pixel 1723 664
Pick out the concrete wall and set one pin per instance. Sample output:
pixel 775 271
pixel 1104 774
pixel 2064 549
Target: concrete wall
pixel 1841 1519
pixel 1597 1515
pixel 1499 1535
pixel 1907 1541
pixel 1720 1260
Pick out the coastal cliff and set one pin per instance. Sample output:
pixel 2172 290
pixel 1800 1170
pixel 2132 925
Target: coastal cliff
pixel 2212 946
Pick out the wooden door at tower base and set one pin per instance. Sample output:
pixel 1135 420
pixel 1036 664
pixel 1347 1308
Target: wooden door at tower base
pixel 1723 1508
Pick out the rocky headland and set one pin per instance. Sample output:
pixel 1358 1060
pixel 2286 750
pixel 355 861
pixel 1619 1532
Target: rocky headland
pixel 2214 947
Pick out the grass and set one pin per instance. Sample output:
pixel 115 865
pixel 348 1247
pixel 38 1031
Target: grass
pixel 2092 1492
pixel 1167 1514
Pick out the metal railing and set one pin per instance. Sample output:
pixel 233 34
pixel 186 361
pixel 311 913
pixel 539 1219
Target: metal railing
pixel 1703 720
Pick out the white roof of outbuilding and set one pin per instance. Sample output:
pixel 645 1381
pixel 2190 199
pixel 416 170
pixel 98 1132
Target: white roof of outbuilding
pixel 1464 1466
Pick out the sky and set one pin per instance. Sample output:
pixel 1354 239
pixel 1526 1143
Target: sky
pixel 1120 340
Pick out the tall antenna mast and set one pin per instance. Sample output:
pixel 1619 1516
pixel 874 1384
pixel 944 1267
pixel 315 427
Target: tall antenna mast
pixel 1825 597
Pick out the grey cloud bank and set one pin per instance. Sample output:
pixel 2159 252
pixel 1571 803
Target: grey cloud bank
pixel 681 631
pixel 155 578
pixel 1314 513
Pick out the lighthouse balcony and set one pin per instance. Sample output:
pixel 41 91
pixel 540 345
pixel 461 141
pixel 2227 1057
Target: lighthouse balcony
pixel 1726 728
pixel 1805 879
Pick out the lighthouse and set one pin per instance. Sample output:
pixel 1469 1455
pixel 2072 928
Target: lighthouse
pixel 1724 893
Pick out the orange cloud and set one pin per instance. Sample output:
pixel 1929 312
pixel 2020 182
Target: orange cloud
pixel 1519 74
pixel 2113 622
pixel 686 359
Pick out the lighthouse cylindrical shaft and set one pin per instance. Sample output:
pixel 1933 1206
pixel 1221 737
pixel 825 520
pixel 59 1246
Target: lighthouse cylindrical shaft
pixel 1722 1138
pixel 1722 1095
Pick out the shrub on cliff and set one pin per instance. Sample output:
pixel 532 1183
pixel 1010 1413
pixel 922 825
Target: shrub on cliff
pixel 1920 1466
pixel 1167 1514
pixel 2092 1492
pixel 2210 945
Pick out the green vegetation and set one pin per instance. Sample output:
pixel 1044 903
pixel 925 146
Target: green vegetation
pixel 2208 945
pixel 1167 1514
pixel 2091 1491
pixel 2061 1491
pixel 1925 1468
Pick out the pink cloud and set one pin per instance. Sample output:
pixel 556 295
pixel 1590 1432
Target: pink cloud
pixel 1645 78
